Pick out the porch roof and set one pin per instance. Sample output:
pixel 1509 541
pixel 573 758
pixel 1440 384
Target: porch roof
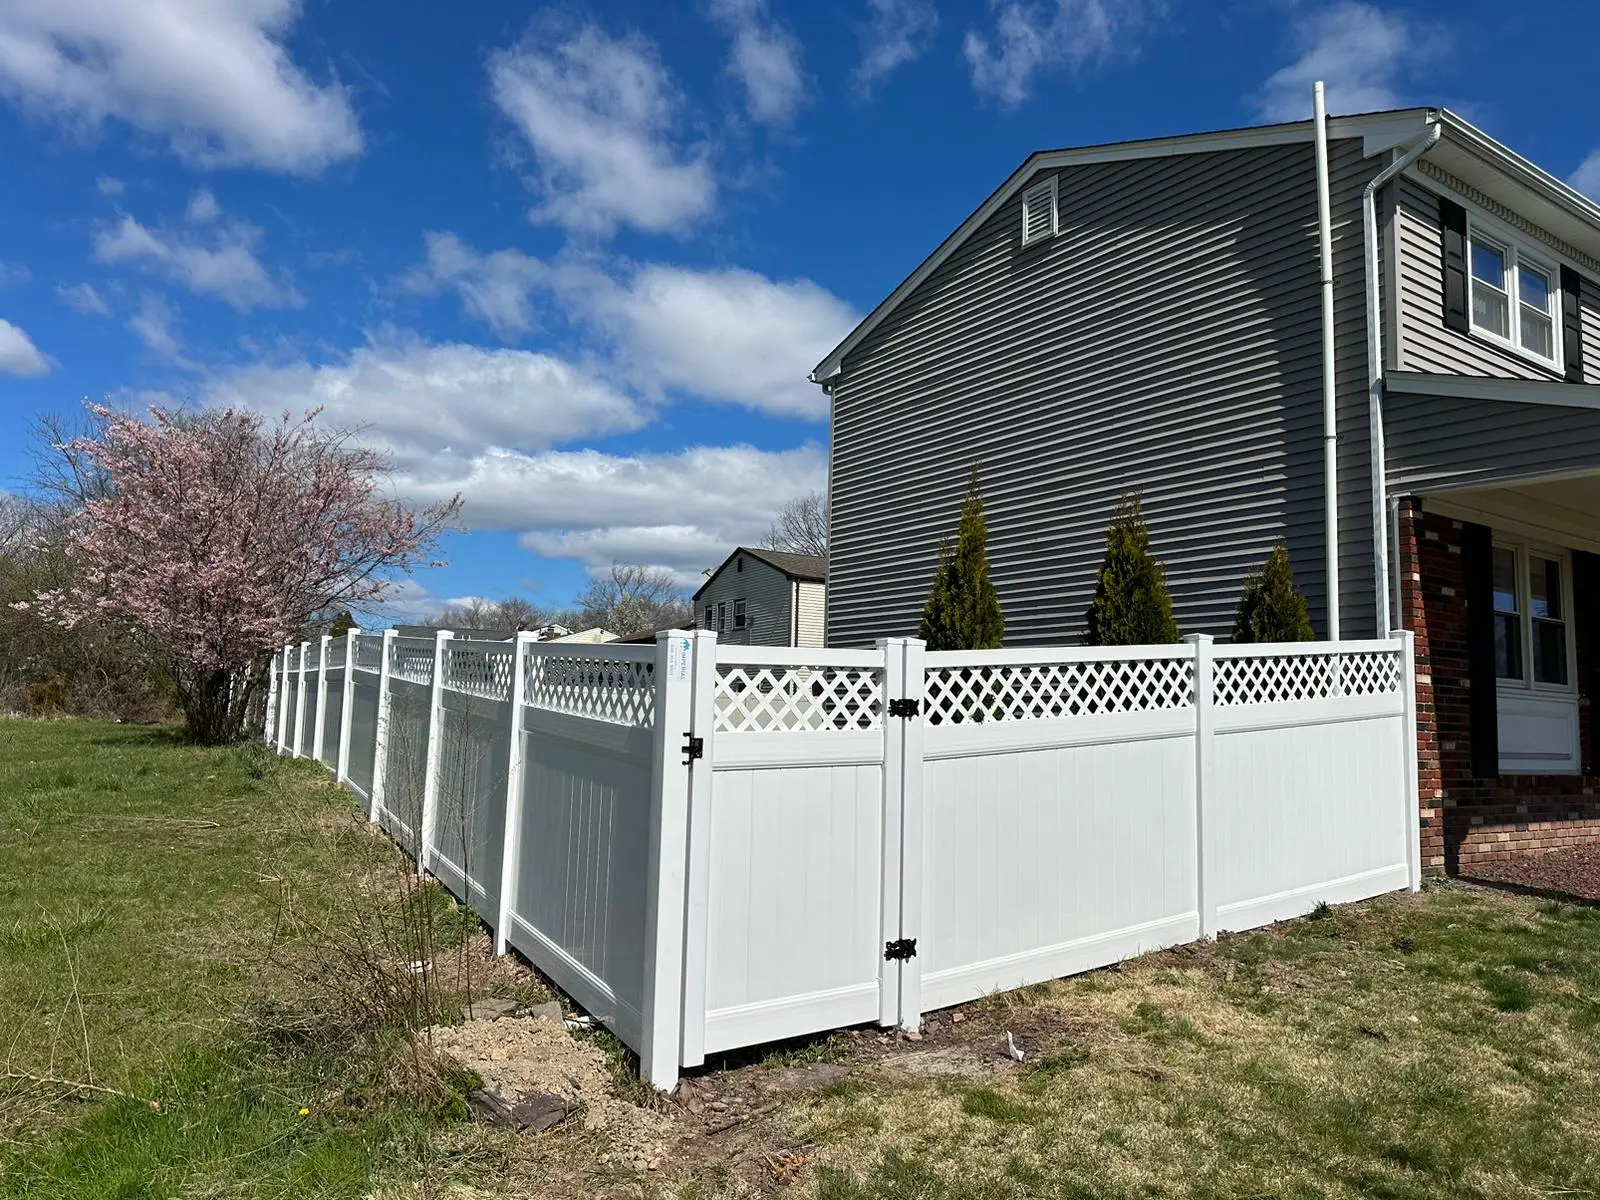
pixel 1479 387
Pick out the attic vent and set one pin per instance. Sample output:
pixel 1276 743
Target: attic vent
pixel 1039 211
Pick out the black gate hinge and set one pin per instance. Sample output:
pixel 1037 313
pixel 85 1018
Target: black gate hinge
pixel 693 748
pixel 900 948
pixel 905 708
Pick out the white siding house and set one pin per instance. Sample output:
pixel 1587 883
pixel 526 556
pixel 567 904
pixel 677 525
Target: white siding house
pixel 766 598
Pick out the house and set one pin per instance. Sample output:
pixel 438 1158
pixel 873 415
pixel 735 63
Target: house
pixel 1375 338
pixel 766 598
pixel 594 636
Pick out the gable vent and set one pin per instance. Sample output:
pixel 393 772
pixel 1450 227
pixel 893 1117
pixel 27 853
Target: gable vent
pixel 1039 211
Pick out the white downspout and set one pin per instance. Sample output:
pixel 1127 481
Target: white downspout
pixel 1330 400
pixel 1380 490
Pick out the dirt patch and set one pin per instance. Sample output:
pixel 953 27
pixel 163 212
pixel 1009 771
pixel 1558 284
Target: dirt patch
pixel 1572 872
pixel 518 1057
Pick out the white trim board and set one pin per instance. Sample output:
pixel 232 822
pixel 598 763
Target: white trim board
pixel 1483 387
pixel 1504 514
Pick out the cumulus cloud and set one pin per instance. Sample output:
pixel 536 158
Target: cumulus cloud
pixel 433 403
pixel 217 261
pixel 1587 177
pixel 896 32
pixel 599 114
pixel 83 298
pixel 764 58
pixel 1357 49
pixel 18 354
pixel 494 288
pixel 1030 36
pixel 213 79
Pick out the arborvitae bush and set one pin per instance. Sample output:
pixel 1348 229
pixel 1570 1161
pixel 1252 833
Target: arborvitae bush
pixel 1131 605
pixel 963 609
pixel 1272 608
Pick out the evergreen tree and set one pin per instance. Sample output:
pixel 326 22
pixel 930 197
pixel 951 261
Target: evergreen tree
pixel 343 623
pixel 963 609
pixel 1131 606
pixel 1272 608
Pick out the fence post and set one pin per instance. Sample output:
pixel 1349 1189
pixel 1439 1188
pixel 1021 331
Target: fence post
pixel 269 731
pixel 322 697
pixel 511 840
pixel 380 730
pixel 283 699
pixel 430 780
pixel 703 725
pixel 913 652
pixel 1204 728
pixel 665 895
pixel 347 707
pixel 1410 790
pixel 300 701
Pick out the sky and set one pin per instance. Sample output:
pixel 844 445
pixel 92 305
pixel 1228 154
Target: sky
pixel 574 262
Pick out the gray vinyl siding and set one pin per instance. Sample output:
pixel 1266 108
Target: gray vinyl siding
pixel 766 592
pixel 1432 443
pixel 1426 344
pixel 1167 340
pixel 810 616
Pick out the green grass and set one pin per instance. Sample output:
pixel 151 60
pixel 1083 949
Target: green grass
pixel 150 896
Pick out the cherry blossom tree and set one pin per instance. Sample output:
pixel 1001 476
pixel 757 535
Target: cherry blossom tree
pixel 214 537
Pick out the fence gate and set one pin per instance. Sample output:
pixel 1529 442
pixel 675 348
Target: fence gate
pixel 795 847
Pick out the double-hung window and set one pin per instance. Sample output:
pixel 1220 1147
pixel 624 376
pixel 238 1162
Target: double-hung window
pixel 1515 297
pixel 738 614
pixel 722 616
pixel 1533 659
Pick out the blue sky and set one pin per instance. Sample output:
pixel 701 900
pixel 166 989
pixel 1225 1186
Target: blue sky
pixel 575 261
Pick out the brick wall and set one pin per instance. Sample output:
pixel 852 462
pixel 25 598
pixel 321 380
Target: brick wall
pixel 1467 821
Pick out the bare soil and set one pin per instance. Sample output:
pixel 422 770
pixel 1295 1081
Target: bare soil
pixel 1571 872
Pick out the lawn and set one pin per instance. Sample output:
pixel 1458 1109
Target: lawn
pixel 166 918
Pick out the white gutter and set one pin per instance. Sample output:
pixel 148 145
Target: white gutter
pixel 1379 466
pixel 1330 398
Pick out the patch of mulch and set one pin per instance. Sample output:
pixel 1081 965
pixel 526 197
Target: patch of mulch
pixel 1573 872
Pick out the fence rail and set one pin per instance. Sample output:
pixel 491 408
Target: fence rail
pixel 716 846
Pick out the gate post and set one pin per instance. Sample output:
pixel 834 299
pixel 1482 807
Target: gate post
pixel 319 721
pixel 430 778
pixel 912 688
pixel 347 707
pixel 511 841
pixel 703 725
pixel 380 729
pixel 1204 729
pixel 666 882
pixel 1410 788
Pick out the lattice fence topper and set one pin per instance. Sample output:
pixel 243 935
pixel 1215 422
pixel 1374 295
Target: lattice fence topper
pixel 1279 679
pixel 336 651
pixel 788 699
pixel 1040 691
pixel 369 652
pixel 621 691
pixel 478 672
pixel 412 661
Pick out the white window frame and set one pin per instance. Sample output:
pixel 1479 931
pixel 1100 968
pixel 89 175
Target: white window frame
pixel 1525 551
pixel 1030 196
pixel 1516 250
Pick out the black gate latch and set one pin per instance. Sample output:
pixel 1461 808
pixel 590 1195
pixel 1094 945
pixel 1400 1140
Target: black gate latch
pixel 905 708
pixel 900 948
pixel 693 748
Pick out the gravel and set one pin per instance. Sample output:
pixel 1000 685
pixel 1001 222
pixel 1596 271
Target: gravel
pixel 1573 872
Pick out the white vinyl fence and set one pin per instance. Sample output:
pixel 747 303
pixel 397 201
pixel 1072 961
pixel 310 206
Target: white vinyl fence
pixel 714 846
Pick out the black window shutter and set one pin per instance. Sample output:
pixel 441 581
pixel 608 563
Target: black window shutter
pixel 1453 221
pixel 1477 555
pixel 1586 611
pixel 1572 324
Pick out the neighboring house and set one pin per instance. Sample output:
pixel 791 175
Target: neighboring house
pixel 1149 315
pixel 766 598
pixel 551 632
pixel 592 636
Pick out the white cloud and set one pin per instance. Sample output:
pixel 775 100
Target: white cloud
pixel 1357 49
pixel 110 186
pixel 765 59
pixel 213 78
pixel 203 207
pixel 11 272
pixel 430 404
pixel 1030 36
pixel 728 335
pixel 598 113
pixel 220 263
pixel 82 297
pixel 896 33
pixel 18 354
pixel 494 288
pixel 1587 177
pixel 152 325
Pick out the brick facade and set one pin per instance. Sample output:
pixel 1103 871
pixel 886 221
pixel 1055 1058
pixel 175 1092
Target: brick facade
pixel 1466 820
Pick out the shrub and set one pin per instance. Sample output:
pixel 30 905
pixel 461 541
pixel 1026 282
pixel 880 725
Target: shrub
pixel 1272 608
pixel 963 608
pixel 1131 605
